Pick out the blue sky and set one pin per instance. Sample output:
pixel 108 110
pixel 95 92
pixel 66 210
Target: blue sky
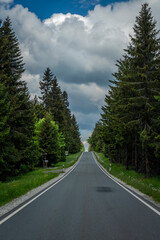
pixel 45 8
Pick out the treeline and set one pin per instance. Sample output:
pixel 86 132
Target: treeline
pixel 129 129
pixel 29 128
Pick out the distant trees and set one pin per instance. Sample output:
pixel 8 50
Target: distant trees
pixel 130 116
pixel 20 144
pixel 56 102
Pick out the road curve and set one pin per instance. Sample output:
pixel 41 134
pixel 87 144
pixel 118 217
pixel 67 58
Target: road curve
pixel 86 205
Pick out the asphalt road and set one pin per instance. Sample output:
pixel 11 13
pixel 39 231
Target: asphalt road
pixel 85 205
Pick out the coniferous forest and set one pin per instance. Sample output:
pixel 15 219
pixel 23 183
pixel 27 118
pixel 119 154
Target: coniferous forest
pixel 29 128
pixel 129 129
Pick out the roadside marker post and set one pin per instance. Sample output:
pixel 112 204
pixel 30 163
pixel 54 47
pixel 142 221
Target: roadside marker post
pixel 66 153
pixel 44 159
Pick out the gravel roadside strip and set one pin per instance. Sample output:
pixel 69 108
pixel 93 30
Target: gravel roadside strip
pixel 17 201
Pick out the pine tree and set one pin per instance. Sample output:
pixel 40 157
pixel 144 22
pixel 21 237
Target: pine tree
pixel 96 140
pixel 49 139
pixel 76 141
pixel 11 60
pixel 67 124
pixel 38 108
pixel 57 104
pixel 19 140
pixel 45 86
pixel 144 56
pixel 5 109
pixel 131 110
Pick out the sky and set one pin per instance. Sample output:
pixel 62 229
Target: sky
pixel 44 9
pixel 80 41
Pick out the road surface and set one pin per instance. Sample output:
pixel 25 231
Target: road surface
pixel 85 205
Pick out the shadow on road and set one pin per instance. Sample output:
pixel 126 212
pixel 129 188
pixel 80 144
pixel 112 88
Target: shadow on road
pixel 104 189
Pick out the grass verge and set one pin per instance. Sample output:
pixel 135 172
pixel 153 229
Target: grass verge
pixel 148 186
pixel 70 160
pixel 23 184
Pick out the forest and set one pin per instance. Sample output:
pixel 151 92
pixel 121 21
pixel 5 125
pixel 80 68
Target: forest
pixel 128 131
pixel 30 128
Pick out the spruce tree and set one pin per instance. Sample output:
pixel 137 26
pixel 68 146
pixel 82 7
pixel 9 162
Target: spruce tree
pixel 144 56
pixel 57 104
pixel 50 140
pixel 76 141
pixel 38 108
pixel 19 141
pixel 67 125
pixel 131 110
pixel 5 110
pixel 45 86
pixel 11 60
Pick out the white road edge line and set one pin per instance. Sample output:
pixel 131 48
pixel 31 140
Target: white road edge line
pixel 19 209
pixel 108 175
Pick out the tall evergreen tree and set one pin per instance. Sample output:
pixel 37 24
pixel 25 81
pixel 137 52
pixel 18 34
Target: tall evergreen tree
pixel 45 86
pixel 131 110
pixel 49 139
pixel 11 60
pixel 38 108
pixel 67 125
pixel 19 141
pixel 76 141
pixel 5 109
pixel 57 104
pixel 144 56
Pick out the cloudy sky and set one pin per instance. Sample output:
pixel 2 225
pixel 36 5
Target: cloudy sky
pixel 80 41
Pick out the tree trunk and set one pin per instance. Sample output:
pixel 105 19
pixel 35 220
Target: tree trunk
pixel 135 155
pixel 127 163
pixel 148 172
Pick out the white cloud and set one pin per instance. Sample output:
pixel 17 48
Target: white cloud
pixel 81 51
pixel 33 82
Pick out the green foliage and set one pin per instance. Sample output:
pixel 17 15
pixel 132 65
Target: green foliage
pixel 26 128
pixel 96 140
pixel 130 115
pixel 38 109
pixel 48 139
pixel 5 109
pixel 75 141
pixel 56 101
pixel 18 145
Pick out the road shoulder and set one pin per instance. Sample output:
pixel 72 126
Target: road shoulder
pixel 20 200
pixel 143 196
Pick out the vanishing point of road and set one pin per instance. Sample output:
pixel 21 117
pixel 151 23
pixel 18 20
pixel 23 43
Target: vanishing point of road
pixel 85 205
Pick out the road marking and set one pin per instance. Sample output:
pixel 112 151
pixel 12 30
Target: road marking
pixel 19 209
pixel 108 175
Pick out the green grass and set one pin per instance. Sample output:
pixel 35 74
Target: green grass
pixel 23 184
pixel 71 160
pixel 149 186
